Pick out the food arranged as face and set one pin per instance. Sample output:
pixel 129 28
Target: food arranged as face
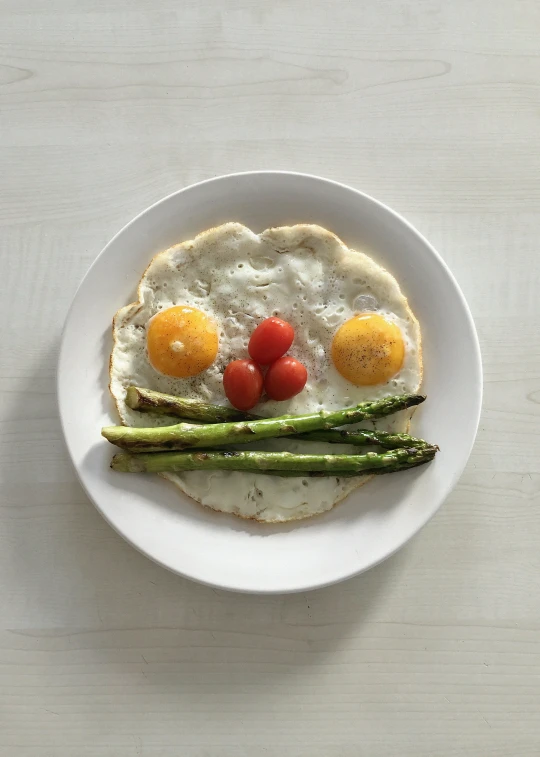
pixel 286 322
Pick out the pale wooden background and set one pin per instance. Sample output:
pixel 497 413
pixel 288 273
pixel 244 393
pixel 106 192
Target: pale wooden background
pixel 431 106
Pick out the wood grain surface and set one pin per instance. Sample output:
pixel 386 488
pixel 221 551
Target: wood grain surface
pixel 434 108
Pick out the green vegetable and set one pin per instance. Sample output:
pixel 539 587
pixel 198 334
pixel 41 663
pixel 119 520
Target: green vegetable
pixel 274 462
pixel 364 438
pixel 146 400
pixel 185 435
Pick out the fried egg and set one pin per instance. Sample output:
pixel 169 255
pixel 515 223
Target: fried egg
pixel 198 304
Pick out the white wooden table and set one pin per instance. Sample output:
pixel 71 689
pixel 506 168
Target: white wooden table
pixel 431 106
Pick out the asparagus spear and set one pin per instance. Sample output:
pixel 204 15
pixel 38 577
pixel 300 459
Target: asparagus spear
pixel 358 438
pixel 274 462
pixel 185 435
pixel 364 438
pixel 147 400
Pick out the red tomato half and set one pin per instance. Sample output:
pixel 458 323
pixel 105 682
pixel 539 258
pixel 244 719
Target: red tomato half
pixel 270 340
pixel 285 378
pixel 243 384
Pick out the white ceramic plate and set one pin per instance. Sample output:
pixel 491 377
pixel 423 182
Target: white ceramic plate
pixel 376 519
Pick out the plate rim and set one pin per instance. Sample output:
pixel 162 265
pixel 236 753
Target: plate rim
pixel 476 354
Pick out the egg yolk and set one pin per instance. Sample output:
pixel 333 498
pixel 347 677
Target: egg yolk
pixel 368 349
pixel 181 341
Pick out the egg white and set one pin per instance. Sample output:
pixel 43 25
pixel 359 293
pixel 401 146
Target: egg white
pixel 303 274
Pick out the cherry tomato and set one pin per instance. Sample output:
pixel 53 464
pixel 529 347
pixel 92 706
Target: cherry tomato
pixel 285 378
pixel 243 384
pixel 270 340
